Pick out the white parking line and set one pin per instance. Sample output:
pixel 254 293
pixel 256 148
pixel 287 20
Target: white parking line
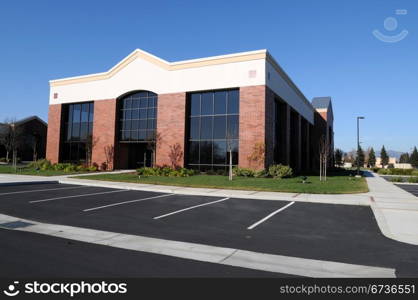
pixel 188 208
pixel 125 202
pixel 43 190
pixel 270 215
pixel 76 196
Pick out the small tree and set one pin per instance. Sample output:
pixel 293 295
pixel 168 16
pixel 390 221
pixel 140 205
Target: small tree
pixel 372 158
pixel 258 154
pixel 360 157
pixel 404 158
pixel 11 138
pixel 324 153
pixel 229 148
pixel 90 144
pixel 413 160
pixel 338 157
pixel 109 151
pixel 175 155
pixel 384 158
pixel 152 144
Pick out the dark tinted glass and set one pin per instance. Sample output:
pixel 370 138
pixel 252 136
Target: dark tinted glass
pixel 220 103
pixel 206 152
pixel 232 127
pixel 206 128
pixel 194 128
pixel 207 103
pixel 219 127
pixel 195 104
pixel 135 114
pixel 219 152
pixel 143 103
pixel 194 152
pixel 233 102
pixel 143 113
pixel 85 112
pixel 143 124
pixel 76 113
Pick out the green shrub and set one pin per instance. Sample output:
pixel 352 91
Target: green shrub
pixel 413 179
pixel 280 171
pixel 375 169
pixel 397 179
pixel 41 164
pixel 165 171
pixel 81 168
pixel 414 173
pixel 2 159
pixel 401 171
pixel 92 168
pixel 384 172
pixel 244 172
pixel 261 173
pixel 69 168
pixel 221 172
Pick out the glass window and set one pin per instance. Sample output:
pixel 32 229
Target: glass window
pixel 232 127
pixel 219 152
pixel 76 113
pixel 151 113
pixel 194 153
pixel 233 102
pixel 195 104
pixel 143 124
pixel 142 113
pixel 206 128
pixel 194 128
pixel 206 152
pixel 143 103
pixel 207 104
pixel 127 103
pixel 135 103
pixel 212 116
pixel 219 127
pixel 220 103
pixel 135 114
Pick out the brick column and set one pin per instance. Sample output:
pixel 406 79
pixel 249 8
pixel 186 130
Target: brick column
pixel 104 124
pixel 251 124
pixel 54 133
pixel 270 130
pixel 171 125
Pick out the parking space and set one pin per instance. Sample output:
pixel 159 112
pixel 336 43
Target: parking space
pixel 338 233
pixel 411 188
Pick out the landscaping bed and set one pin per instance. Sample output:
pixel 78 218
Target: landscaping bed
pixel 334 185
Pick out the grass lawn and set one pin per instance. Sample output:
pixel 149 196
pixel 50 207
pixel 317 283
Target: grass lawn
pixel 334 184
pixel 21 170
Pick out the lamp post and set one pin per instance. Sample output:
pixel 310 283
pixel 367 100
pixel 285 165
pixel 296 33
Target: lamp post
pixel 358 144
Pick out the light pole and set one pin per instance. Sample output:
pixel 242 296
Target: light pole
pixel 358 144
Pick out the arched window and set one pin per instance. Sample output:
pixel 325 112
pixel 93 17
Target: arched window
pixel 137 117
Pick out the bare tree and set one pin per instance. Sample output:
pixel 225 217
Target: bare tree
pixel 152 144
pixel 91 142
pixel 11 138
pixel 175 155
pixel 229 148
pixel 258 154
pixel 324 153
pixel 109 151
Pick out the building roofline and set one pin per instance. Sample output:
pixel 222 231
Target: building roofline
pixel 169 66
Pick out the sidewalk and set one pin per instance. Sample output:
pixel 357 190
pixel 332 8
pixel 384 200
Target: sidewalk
pixel 395 210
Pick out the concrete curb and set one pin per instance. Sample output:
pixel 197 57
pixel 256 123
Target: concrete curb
pixel 206 253
pixel 27 182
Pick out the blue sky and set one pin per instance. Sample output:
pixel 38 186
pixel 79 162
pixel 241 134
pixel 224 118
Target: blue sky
pixel 326 47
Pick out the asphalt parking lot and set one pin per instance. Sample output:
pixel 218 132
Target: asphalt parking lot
pixel 340 233
pixel 411 188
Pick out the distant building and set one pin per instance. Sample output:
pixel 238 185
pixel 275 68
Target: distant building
pixel 32 130
pixel 392 161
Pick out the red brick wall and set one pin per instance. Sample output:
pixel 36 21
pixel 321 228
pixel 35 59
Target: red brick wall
pixel 170 126
pixel 103 129
pixel 251 123
pixel 54 131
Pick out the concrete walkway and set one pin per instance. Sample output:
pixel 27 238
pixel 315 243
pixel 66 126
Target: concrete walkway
pixel 395 210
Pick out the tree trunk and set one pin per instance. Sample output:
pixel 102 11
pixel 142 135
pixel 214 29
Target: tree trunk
pixel 230 165
pixel 320 168
pixel 7 156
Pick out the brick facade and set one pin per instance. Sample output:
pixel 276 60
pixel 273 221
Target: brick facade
pixel 103 130
pixel 54 133
pixel 251 124
pixel 171 124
